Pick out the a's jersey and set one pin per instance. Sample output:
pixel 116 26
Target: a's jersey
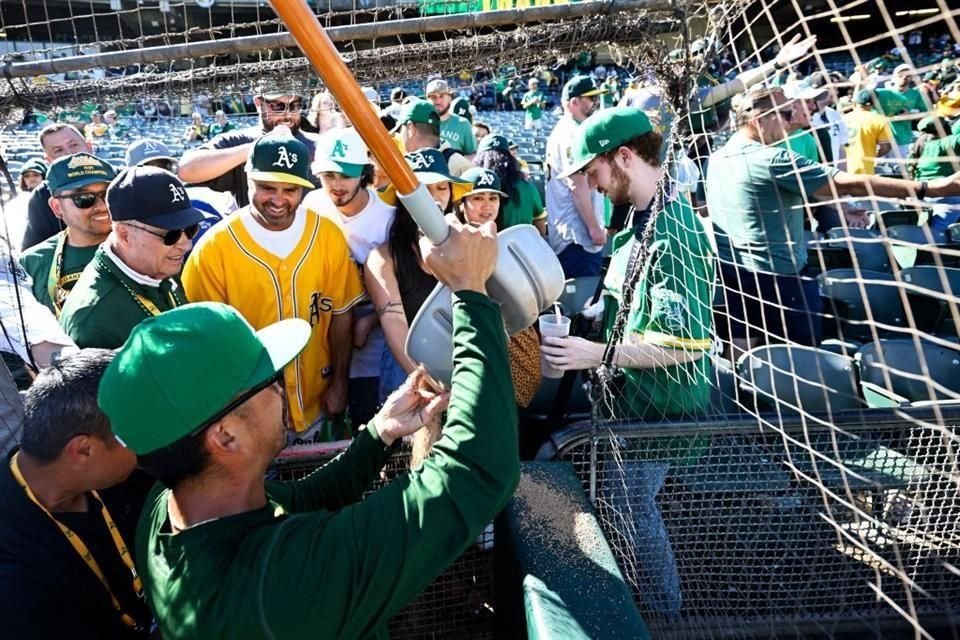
pixel 316 281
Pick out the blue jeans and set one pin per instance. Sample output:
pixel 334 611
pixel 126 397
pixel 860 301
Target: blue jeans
pixel 577 262
pixel 392 374
pixel 632 499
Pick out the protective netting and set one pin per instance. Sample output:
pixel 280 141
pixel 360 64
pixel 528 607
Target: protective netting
pixel 771 487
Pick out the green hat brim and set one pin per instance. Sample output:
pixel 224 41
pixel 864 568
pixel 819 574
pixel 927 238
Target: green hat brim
pixel 277 176
pixel 577 167
pixel 591 93
pixel 432 177
pixel 82 182
pixel 484 190
pixel 346 168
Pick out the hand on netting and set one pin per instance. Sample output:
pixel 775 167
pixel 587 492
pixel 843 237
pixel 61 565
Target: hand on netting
pixel 408 409
pixel 794 50
pixel 572 353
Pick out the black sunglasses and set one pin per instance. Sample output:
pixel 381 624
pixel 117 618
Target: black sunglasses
pixel 239 400
pixel 279 106
pixel 84 200
pixel 172 237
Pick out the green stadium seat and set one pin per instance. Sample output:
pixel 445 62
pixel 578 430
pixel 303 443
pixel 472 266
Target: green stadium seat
pixel 794 377
pixel 901 372
pixel 850 293
pixel 933 297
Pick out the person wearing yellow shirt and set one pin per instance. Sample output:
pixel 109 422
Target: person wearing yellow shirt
pixel 870 136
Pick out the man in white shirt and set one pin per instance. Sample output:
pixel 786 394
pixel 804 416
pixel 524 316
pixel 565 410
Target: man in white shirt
pixel 349 201
pixel 575 226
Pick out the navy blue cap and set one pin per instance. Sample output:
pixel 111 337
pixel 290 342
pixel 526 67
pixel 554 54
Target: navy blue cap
pixel 152 195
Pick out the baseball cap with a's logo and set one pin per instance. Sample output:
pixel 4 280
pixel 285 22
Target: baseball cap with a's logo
pixel 483 181
pixel 431 167
pixel 581 87
pixel 141 151
pixel 152 195
pixel 605 131
pixel 341 150
pixel 417 110
pixel 77 170
pixel 280 158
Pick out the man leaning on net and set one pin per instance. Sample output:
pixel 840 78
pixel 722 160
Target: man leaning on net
pixel 226 555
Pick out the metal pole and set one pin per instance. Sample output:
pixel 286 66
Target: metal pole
pixel 368 31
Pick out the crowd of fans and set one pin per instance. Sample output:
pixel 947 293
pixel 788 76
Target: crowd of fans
pixel 309 279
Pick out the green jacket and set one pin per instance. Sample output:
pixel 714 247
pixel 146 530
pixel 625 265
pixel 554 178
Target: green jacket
pixel 105 305
pixel 318 563
pixel 38 260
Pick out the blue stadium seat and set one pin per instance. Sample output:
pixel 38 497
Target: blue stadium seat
pixel 865 245
pixel 903 371
pixel 932 297
pixel 860 301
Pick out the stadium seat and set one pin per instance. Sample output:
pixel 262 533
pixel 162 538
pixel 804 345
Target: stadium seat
pixel 896 217
pixel 865 245
pixel 903 371
pixel 850 293
pixel 577 292
pixel 906 242
pixel 953 233
pixel 794 377
pixel 933 297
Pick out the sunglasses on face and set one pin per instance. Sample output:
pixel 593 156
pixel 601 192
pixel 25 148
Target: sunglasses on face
pixel 279 106
pixel 172 236
pixel 239 400
pixel 84 200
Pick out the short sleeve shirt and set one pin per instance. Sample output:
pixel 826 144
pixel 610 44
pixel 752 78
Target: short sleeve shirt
pixel 895 103
pixel 457 132
pixel 803 144
pixel 756 195
pixel 38 262
pixel 867 130
pixel 938 159
pixel 533 101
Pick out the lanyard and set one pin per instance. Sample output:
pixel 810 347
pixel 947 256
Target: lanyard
pixel 56 284
pixel 82 550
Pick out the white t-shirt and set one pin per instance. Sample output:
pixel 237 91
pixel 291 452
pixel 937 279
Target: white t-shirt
pixel 279 243
pixel 839 134
pixel 364 232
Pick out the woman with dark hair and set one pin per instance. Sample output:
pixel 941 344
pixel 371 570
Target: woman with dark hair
pixel 32 173
pixel 523 204
pixel 394 274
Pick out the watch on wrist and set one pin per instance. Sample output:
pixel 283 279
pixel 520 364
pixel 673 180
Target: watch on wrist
pixel 922 191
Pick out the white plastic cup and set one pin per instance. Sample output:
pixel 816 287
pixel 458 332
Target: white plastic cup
pixel 553 326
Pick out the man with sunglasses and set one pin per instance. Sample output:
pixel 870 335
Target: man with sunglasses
pixel 78 184
pixel 575 227
pixel 135 273
pixel 220 163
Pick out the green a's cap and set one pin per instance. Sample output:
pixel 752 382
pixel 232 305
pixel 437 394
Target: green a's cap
pixel 417 110
pixel 461 107
pixel 580 87
pixel 494 142
pixel 483 181
pixel 177 370
pixel 280 158
pixel 604 131
pixel 78 170
pixel 36 165
pixel 341 150
pixel 431 167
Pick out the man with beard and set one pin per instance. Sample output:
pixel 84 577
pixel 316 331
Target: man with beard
pixel 274 260
pixel 575 227
pixel 454 130
pixel 219 164
pixel 349 201
pixel 664 279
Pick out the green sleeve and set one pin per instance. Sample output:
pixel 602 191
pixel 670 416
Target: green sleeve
pixel 795 173
pixel 38 268
pixel 679 311
pixel 338 483
pixel 353 570
pixel 469 142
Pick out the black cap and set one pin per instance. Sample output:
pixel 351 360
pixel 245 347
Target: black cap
pixel 152 195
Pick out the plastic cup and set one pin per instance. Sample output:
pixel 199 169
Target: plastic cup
pixel 553 326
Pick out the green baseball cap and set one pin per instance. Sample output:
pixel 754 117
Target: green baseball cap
pixel 36 165
pixel 604 131
pixel 581 87
pixel 280 158
pixel 78 170
pixel 159 387
pixel 341 150
pixel 461 107
pixel 494 142
pixel 431 167
pixel 483 181
pixel 417 110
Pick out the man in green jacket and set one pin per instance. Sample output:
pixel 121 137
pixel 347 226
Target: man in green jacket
pixel 135 274
pixel 225 555
pixel 78 184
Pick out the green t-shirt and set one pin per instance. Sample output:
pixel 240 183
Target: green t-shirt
pixel 532 103
pixel 938 159
pixel 802 143
pixel 321 561
pixel 105 304
pixel 894 103
pixel 38 260
pixel 523 205
pixel 755 194
pixel 216 128
pixel 458 133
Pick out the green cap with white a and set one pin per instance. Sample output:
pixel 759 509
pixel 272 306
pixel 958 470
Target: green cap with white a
pixel 280 158
pixel 341 150
pixel 605 131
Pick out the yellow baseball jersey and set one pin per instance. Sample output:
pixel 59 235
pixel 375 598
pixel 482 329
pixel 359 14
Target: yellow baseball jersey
pixel 317 281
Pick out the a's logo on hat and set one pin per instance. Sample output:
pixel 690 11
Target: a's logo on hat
pixel 603 142
pixel 486 179
pixel 83 161
pixel 151 146
pixel 339 150
pixel 421 161
pixel 285 158
pixel 179 195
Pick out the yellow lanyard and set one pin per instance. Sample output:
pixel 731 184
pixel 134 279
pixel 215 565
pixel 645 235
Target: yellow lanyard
pixel 55 283
pixel 82 550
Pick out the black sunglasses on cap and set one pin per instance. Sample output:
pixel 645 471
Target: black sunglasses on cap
pixel 172 236
pixel 84 200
